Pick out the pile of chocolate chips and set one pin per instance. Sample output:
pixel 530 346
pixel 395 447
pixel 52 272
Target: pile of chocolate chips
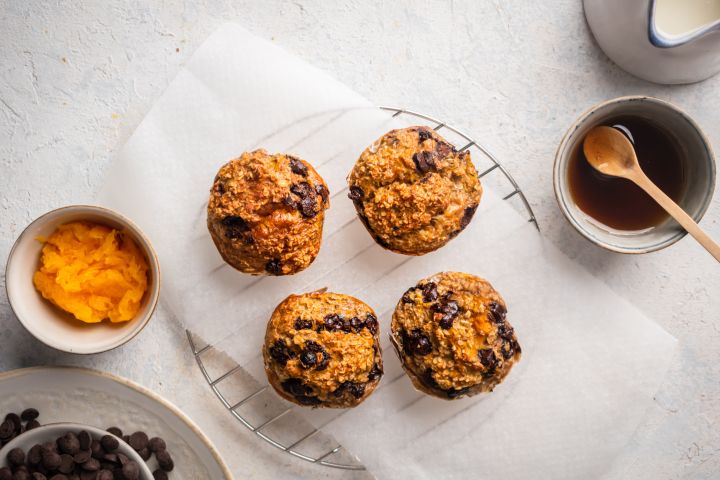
pixel 78 457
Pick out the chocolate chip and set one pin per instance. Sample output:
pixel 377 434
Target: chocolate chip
pixel 82 456
pixel 424 162
pixel 357 390
pixel 160 475
pixel 165 460
pixel 308 359
pixel 7 429
pixel 323 191
pixel 496 312
pixel 109 443
pixel 156 444
pixel 315 348
pixel 509 348
pixel 407 296
pixel 96 449
pixel 443 149
pixel 16 423
pixel 23 475
pixel 37 476
pixel 131 471
pixel 301 324
pixel 375 373
pixel 34 455
pixel 424 134
pixel 138 441
pixel 31 424
pixel 429 292
pixel 333 322
pixel 84 440
pixel 104 475
pixel 6 474
pixel 69 443
pixel 371 323
pixel 428 379
pixel 92 465
pixel 356 194
pixel 274 267
pixel 29 414
pixel 505 331
pixel 236 228
pixel 488 360
pixel 308 199
pixel 67 463
pixel 295 387
pixel 280 352
pixel 355 324
pixel 467 216
pixel 16 456
pixel 51 460
pixel 298 167
pixel 115 431
pixel 447 309
pixel 417 343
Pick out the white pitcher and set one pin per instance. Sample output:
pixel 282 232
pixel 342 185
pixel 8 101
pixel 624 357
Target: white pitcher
pixel 663 41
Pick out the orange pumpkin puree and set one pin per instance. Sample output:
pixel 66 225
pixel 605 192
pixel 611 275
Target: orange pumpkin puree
pixel 93 272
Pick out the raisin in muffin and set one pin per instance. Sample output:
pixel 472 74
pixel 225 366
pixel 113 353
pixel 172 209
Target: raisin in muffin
pixel 321 349
pixel 266 213
pixel 452 337
pixel 413 191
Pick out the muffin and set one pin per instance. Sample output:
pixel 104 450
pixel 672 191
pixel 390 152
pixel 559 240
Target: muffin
pixel 452 336
pixel 266 213
pixel 413 191
pixel 322 350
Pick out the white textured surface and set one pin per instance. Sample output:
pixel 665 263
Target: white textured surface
pixel 77 77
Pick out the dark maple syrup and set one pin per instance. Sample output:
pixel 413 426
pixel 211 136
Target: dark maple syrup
pixel 617 202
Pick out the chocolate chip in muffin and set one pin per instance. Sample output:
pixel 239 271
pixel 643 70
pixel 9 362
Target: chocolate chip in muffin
pixel 447 309
pixel 274 267
pixel 333 322
pixel 407 296
pixel 417 343
pixel 298 167
pixel 505 332
pixel 424 161
pixel 357 390
pixel 301 324
pixel 455 393
pixel 488 359
pixel 220 188
pixel 236 228
pixel 423 135
pixel 429 292
pixel 308 199
pixel 467 216
pixel 356 194
pixel 372 323
pixel 375 373
pixel 315 348
pixel 496 312
pixel 509 348
pixel 280 352
pixel 322 190
pixel 298 389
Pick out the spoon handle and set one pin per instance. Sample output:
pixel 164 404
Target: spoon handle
pixel 677 213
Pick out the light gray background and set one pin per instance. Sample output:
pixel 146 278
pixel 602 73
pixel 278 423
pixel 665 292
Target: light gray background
pixel 76 77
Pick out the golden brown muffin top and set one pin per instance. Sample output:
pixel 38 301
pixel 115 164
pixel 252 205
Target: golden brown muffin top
pixel 324 342
pixel 414 191
pixel 266 212
pixel 452 334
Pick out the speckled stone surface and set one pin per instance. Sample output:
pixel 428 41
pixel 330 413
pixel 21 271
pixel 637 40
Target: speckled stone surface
pixel 77 77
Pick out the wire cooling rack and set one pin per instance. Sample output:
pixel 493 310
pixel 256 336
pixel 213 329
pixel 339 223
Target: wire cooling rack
pixel 237 390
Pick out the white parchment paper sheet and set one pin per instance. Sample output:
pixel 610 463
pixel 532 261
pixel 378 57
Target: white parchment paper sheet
pixel 591 361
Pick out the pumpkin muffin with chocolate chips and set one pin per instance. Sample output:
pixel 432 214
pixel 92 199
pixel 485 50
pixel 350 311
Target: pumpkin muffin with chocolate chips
pixel 266 213
pixel 322 350
pixel 452 335
pixel 414 191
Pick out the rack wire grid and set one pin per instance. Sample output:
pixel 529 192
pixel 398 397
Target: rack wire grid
pixel 218 369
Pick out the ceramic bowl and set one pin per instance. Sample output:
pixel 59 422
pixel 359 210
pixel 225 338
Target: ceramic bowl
pixel 52 431
pixel 699 169
pixel 48 323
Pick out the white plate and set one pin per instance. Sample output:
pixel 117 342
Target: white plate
pixel 66 394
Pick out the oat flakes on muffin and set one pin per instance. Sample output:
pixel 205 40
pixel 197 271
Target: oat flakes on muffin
pixel 321 349
pixel 414 191
pixel 266 212
pixel 452 336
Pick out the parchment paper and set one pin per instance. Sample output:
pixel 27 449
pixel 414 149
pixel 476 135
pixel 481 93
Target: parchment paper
pixel 591 361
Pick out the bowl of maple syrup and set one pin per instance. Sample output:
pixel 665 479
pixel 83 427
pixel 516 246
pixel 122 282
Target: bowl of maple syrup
pixel 613 212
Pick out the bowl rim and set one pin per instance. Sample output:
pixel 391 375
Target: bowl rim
pixel 74 427
pixel 146 247
pixel 558 176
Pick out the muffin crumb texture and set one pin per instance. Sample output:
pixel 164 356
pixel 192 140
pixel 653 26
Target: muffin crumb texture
pixel 451 333
pixel 322 350
pixel 414 191
pixel 266 212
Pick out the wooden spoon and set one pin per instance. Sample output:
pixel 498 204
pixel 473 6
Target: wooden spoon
pixel 611 153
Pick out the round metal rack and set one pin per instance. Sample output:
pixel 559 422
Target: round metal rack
pixel 313 445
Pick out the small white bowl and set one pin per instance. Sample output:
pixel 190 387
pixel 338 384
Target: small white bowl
pixel 698 166
pixel 48 323
pixel 52 431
